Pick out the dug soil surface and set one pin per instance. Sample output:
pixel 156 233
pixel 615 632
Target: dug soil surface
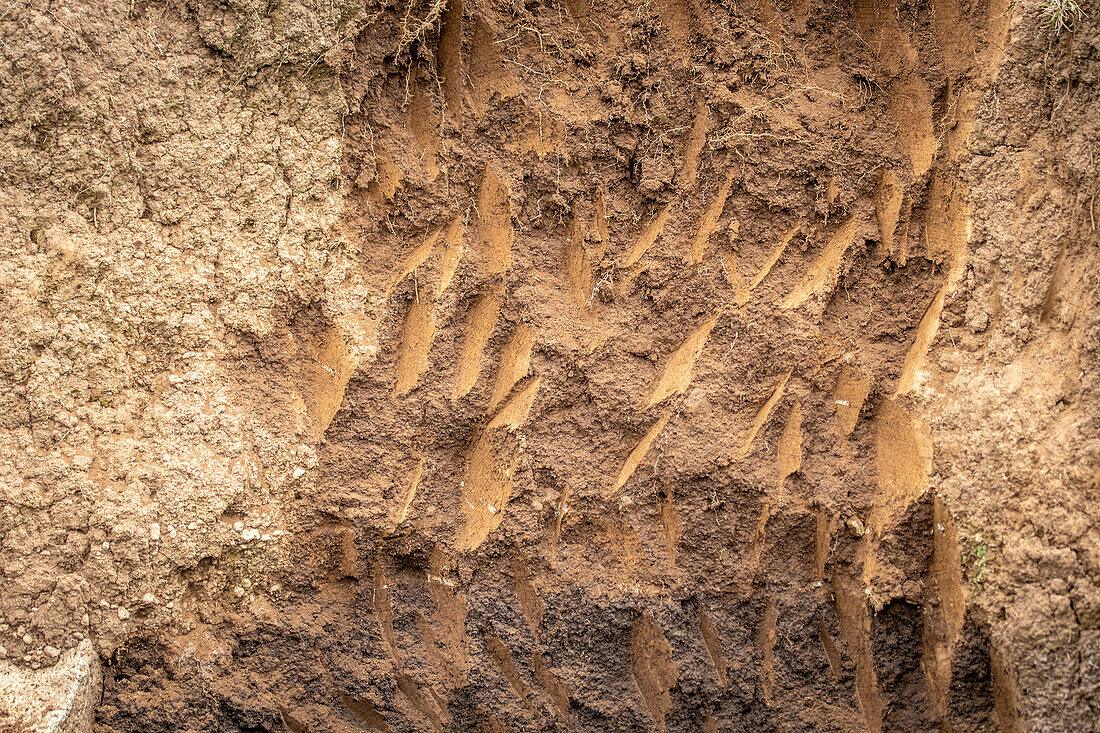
pixel 574 365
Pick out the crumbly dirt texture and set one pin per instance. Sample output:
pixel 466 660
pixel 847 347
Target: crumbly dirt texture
pixel 574 365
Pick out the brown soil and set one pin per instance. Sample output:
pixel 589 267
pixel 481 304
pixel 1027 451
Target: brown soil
pixel 554 366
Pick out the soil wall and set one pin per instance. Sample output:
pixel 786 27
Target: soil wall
pixel 484 366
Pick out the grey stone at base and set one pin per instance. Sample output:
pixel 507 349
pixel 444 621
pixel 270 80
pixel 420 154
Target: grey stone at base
pixel 61 699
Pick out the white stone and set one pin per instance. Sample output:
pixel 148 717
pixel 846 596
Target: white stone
pixel 59 699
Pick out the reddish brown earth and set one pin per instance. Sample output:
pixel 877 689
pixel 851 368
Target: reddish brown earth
pixel 566 366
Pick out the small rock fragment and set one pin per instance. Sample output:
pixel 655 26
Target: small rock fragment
pixel 855 526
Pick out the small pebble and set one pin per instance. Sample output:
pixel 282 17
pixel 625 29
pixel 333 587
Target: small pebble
pixel 154 532
pixel 238 526
pixel 238 591
pixel 28 639
pixel 123 613
pixel 53 651
pixel 192 525
pixel 299 472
